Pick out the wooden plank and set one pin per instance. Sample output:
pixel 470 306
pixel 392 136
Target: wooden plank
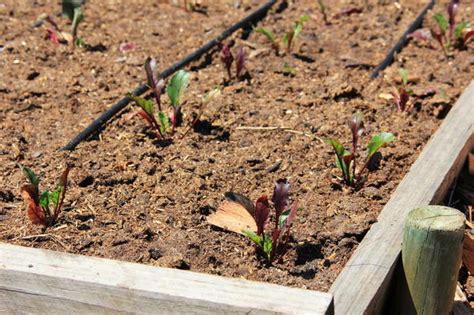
pixel 36 280
pixel 362 285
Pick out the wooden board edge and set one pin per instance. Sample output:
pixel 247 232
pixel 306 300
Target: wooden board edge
pixel 362 285
pixel 38 280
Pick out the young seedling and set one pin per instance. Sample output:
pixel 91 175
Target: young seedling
pixel 346 160
pixel 401 96
pixel 175 90
pixel 73 10
pixel 43 208
pixel 450 34
pixel 158 121
pixel 228 59
pixel 271 37
pixel 273 243
pixel 289 37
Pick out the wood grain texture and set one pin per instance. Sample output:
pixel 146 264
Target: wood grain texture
pixel 362 285
pixel 431 258
pixel 39 281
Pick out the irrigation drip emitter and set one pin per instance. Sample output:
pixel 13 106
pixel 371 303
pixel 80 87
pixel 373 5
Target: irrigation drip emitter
pixel 390 57
pixel 112 111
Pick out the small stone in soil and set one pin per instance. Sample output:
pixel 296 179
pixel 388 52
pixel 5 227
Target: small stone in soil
pixel 182 264
pixel 372 193
pixel 155 253
pixel 84 227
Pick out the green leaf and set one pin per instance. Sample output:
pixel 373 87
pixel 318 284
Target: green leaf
pixel 31 176
pixel 164 122
pixel 299 25
pixel 404 75
pixel 68 7
pixel 441 21
pixel 254 237
pixel 178 84
pixel 378 141
pixel 44 200
pixel 341 164
pixel 268 34
pixel 54 196
pixel 146 105
pixel 267 246
pixel 458 31
pixel 340 153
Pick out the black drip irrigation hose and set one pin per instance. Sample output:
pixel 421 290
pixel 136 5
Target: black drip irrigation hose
pixel 112 111
pixel 402 41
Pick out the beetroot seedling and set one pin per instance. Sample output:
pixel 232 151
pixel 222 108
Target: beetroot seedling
pixel 157 120
pixel 273 244
pixel 288 39
pixel 43 208
pixel 401 95
pixel 291 36
pixel 228 59
pixel 449 34
pixel 271 37
pixel 346 160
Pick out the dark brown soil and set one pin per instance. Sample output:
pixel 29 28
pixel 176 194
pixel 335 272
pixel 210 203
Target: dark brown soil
pixel 137 199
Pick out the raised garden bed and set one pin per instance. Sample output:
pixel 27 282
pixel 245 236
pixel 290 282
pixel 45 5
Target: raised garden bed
pixel 133 200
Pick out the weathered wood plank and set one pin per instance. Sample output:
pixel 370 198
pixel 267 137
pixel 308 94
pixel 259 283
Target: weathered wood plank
pixel 362 285
pixel 37 280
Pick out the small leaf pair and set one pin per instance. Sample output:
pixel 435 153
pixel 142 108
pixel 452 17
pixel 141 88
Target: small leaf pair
pixel 159 120
pixel 401 96
pixel 228 59
pixel 43 207
pixel 346 160
pixel 288 39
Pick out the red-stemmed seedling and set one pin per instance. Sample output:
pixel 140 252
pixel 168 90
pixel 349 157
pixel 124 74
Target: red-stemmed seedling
pixel 346 160
pixel 272 241
pixel 43 208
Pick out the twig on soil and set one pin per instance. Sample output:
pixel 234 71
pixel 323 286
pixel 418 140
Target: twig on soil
pixel 112 111
pixel 32 237
pixel 43 237
pixel 285 129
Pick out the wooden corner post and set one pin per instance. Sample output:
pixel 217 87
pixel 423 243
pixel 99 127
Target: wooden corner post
pixel 431 258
